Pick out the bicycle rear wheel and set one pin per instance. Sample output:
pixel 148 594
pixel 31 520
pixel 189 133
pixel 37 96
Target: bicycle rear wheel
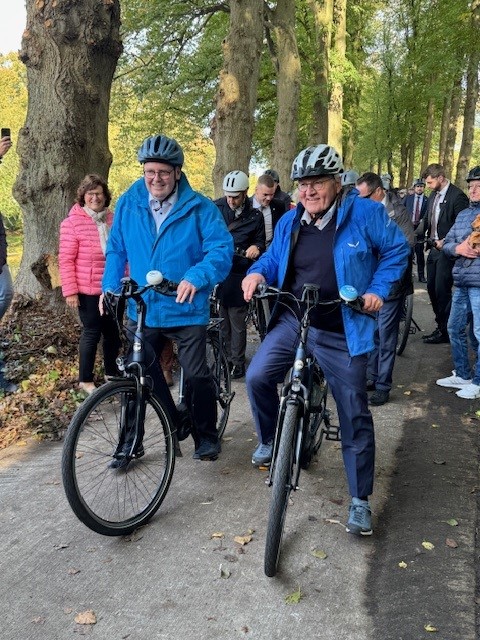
pixel 281 488
pixel 219 367
pixel 405 323
pixel 114 502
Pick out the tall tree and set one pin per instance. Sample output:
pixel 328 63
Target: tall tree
pixel 70 52
pixel 337 66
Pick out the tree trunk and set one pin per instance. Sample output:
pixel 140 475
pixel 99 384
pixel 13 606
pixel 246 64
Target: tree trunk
pixel 471 98
pixel 402 179
pixel 335 106
pixel 322 11
pixel 284 146
pixel 452 125
pixel 427 138
pixel 70 51
pixel 233 123
pixel 411 153
pixel 444 128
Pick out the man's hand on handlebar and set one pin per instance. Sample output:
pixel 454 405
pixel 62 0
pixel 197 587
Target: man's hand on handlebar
pixel 185 291
pixel 371 302
pixel 250 284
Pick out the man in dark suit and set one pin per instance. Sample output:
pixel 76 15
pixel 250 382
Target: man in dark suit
pixel 279 194
pixel 416 206
pixel 264 199
pixel 444 204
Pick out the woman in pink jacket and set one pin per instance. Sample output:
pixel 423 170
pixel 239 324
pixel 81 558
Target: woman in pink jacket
pixel 83 239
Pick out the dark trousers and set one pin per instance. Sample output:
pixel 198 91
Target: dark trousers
pixel 234 330
pixel 94 326
pixel 192 356
pixel 382 359
pixel 439 286
pixel 346 377
pixel 420 259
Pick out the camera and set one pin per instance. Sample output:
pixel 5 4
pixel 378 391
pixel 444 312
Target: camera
pixel 5 133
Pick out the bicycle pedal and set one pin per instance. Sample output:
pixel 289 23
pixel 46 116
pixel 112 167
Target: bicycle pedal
pixel 332 432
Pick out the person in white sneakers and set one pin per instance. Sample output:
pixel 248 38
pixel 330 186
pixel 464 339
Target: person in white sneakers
pixel 462 247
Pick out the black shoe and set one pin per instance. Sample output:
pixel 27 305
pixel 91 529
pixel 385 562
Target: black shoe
pixel 207 450
pixel 379 397
pixel 184 424
pixel 438 338
pixel 434 334
pixel 122 458
pixel 370 385
pixel 422 279
pixel 238 371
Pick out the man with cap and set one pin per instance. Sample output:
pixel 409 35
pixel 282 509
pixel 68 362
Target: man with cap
pixel 463 249
pixel 248 232
pixel 416 206
pixel 279 194
pixel 162 224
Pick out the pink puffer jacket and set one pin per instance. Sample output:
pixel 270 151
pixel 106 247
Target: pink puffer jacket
pixel 80 255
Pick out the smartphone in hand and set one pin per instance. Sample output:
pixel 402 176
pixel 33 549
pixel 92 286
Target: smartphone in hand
pixel 5 133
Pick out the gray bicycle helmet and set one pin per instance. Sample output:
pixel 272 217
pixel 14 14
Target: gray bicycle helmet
pixel 235 182
pixel 319 160
pixel 161 149
pixel 350 177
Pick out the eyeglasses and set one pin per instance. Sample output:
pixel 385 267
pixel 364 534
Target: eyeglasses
pixel 316 185
pixel 162 173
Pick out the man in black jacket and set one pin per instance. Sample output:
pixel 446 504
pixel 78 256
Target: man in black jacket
pixel 248 231
pixel 444 204
pixel 279 194
pixel 264 200
pixel 416 205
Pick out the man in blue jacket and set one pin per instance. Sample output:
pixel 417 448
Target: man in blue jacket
pixel 161 224
pixel 329 244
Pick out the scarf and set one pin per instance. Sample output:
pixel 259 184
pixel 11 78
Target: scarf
pixel 99 218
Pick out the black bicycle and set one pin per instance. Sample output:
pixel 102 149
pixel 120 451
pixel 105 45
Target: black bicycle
pixel 407 325
pixel 119 450
pixel 303 419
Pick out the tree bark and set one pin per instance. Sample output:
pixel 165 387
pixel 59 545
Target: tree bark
pixel 444 128
pixel 322 11
pixel 70 50
pixel 457 95
pixel 233 123
pixel 335 106
pixel 427 138
pixel 284 146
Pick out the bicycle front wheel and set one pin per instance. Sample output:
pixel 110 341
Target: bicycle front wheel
pixel 405 323
pixel 281 488
pixel 220 370
pixel 115 501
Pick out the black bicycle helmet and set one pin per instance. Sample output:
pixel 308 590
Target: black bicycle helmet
pixel 319 160
pixel 473 174
pixel 273 174
pixel 161 149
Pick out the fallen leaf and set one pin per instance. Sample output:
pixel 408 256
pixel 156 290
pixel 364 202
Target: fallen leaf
pixel 452 522
pixel 450 542
pixel 217 534
pixel 402 565
pixel 73 571
pixel 225 572
pixel 21 443
pixel 227 439
pixel 439 462
pixel 243 539
pixel 60 546
pixel 39 620
pixel 435 426
pixel 407 393
pixel 330 521
pixel 86 617
pixel 294 598
pixel 428 545
pixel 318 553
pixel 429 627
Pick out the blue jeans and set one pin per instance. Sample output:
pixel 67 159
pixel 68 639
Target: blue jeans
pixel 6 290
pixel 465 309
pixel 346 377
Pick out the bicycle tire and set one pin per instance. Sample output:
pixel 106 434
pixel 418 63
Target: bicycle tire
pixel 405 323
pixel 259 316
pixel 115 502
pixel 222 381
pixel 281 488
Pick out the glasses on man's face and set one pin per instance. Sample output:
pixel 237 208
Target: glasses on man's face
pixel 316 185
pixel 162 173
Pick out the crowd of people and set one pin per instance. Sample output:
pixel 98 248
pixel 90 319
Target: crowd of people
pixel 343 228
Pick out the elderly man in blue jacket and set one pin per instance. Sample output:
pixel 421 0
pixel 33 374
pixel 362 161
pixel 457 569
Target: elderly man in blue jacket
pixel 162 224
pixel 330 244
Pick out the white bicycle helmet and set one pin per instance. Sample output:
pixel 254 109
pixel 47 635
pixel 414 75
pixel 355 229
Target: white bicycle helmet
pixel 161 149
pixel 235 182
pixel 350 177
pixel 319 160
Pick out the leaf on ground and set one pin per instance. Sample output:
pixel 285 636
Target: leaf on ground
pixel 402 564
pixel 86 617
pixel 439 462
pixel 217 534
pixel 435 426
pixel 428 545
pixel 318 553
pixel 73 572
pixel 477 413
pixel 38 620
pixel 450 542
pixel 243 539
pixel 21 443
pixel 452 522
pixel 407 393
pixel 431 628
pixel 331 521
pixel 225 572
pixel 295 597
pixel 57 547
pixel 227 438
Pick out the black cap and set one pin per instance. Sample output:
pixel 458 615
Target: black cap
pixel 473 174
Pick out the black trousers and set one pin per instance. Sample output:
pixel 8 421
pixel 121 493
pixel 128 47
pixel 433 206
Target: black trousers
pixel 439 286
pixel 200 390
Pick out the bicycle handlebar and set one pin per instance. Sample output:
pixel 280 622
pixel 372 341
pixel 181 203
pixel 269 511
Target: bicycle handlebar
pixel 155 281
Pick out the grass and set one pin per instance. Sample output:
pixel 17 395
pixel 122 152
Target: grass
pixel 15 250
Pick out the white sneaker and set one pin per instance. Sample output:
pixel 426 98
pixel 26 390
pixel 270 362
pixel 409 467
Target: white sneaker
pixel 470 392
pixel 453 381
